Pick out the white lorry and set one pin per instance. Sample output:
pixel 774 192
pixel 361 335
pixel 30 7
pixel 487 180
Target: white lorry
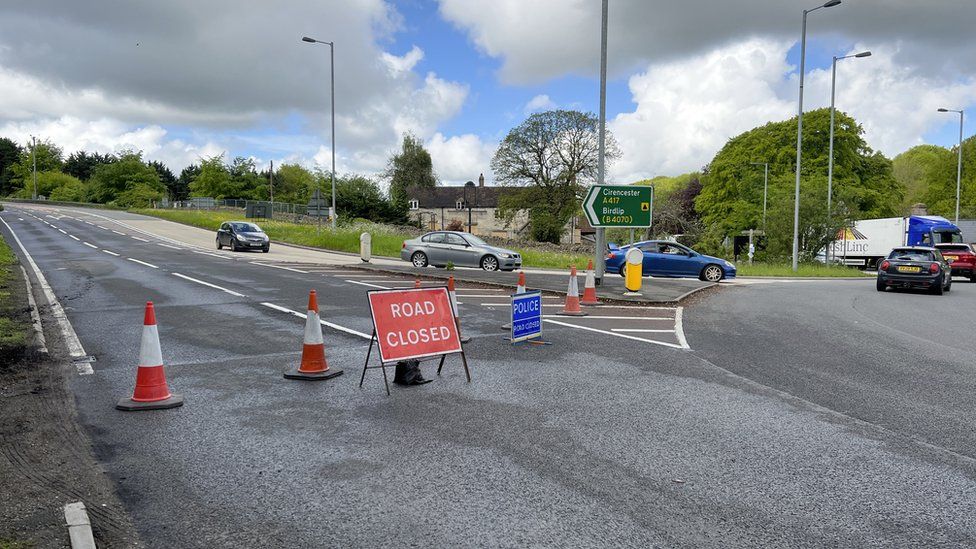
pixel 870 240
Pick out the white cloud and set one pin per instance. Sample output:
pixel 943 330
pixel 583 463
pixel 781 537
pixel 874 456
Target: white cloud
pixel 460 158
pixel 404 63
pixel 541 102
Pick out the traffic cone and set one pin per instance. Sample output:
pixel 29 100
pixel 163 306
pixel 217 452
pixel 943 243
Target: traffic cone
pixel 454 306
pixel 416 283
pixel 572 306
pixel 313 366
pixel 589 287
pixel 520 289
pixel 151 392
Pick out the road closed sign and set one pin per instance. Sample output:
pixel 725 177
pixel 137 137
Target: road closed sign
pixel 413 323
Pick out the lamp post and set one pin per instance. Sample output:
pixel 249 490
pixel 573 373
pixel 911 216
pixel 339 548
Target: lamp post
pixel 34 160
pixel 959 165
pixel 467 204
pixel 601 235
pixel 799 132
pixel 830 160
pixel 332 82
pixel 765 166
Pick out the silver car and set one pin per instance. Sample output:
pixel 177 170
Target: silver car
pixel 461 249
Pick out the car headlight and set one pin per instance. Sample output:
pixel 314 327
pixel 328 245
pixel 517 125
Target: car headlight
pixel 727 264
pixel 506 256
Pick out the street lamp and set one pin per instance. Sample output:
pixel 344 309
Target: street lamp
pixel 765 166
pixel 34 160
pixel 468 185
pixel 332 80
pixel 799 133
pixel 959 166
pixel 830 161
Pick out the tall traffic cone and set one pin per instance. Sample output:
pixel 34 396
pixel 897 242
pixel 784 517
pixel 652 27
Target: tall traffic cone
pixel 454 307
pixel 151 392
pixel 520 289
pixel 313 366
pixel 572 306
pixel 589 287
pixel 416 283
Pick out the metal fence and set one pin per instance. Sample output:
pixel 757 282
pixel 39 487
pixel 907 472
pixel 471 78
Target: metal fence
pixel 203 203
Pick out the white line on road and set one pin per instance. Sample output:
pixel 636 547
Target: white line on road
pixel 90 245
pixel 62 231
pixel 210 254
pixel 367 284
pixel 168 246
pixel 90 223
pixel 324 323
pixel 35 316
pixel 117 232
pixel 641 331
pixel 625 336
pixel 111 253
pixel 74 237
pixel 103 227
pixel 679 331
pixel 139 239
pixel 20 219
pixel 615 317
pixel 75 349
pixel 142 262
pixel 231 292
pixel 279 267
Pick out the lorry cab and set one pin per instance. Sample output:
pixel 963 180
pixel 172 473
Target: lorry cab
pixel 929 230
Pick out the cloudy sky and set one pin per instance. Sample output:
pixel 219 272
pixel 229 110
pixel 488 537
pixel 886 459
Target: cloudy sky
pixel 183 79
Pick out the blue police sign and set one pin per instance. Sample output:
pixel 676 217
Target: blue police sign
pixel 526 316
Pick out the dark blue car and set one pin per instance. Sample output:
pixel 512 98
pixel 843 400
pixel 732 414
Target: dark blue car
pixel 664 258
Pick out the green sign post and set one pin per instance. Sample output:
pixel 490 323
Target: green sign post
pixel 622 206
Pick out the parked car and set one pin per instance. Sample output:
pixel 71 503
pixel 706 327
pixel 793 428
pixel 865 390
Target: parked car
pixel 438 248
pixel 670 259
pixel 960 258
pixel 242 235
pixel 915 267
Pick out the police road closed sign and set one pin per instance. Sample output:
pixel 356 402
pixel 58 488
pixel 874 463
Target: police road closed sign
pixel 526 316
pixel 413 323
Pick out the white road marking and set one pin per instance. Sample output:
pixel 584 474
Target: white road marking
pixel 111 253
pixel 35 316
pixel 117 232
pixel 641 331
pixel 279 267
pixel 615 317
pixel 75 349
pixel 210 254
pixel 679 331
pixel 367 284
pixel 168 246
pixel 90 223
pixel 139 239
pixel 625 336
pixel 90 245
pixel 20 219
pixel 497 296
pixel 62 231
pixel 74 237
pixel 142 262
pixel 102 227
pixel 324 323
pixel 214 286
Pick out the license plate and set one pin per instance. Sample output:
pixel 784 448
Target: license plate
pixel 255 244
pixel 909 269
pixel 951 258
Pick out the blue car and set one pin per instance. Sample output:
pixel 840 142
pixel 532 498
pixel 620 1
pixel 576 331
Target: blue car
pixel 670 259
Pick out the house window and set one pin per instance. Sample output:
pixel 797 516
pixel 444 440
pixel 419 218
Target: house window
pixel 414 204
pixel 460 204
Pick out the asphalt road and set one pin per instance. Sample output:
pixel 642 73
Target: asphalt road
pixel 802 414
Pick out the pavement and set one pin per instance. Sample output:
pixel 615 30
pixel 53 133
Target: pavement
pixel 786 414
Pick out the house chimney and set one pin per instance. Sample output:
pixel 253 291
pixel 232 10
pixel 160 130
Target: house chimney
pixel 481 180
pixel 919 209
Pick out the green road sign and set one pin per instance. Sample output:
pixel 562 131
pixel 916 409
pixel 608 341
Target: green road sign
pixel 619 206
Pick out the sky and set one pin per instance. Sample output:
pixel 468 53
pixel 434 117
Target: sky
pixel 182 80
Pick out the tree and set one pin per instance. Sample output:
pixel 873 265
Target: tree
pixel 181 189
pixel 213 180
pixel 166 177
pixel 411 166
pixel 674 210
pixel 553 155
pixel 49 158
pixel 941 193
pixel 128 173
pixel 10 153
pixel 55 185
pixel 917 169
pixel 358 196
pixel 245 180
pixel 82 165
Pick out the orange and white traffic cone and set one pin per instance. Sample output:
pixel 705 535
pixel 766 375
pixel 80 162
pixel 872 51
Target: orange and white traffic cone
pixel 589 287
pixel 416 283
pixel 454 307
pixel 572 306
pixel 151 392
pixel 520 289
pixel 313 366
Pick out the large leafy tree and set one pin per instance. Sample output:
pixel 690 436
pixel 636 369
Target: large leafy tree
pixel 941 192
pixel 411 166
pixel 360 196
pixel 247 182
pixel 294 183
pixel 181 189
pixel 917 169
pixel 82 165
pixel 166 177
pixel 213 180
pixel 49 158
pixel 732 188
pixel 10 153
pixel 126 182
pixel 552 155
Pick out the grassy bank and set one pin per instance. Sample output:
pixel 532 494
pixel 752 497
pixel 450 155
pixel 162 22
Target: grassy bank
pixel 14 331
pixel 805 270
pixel 386 241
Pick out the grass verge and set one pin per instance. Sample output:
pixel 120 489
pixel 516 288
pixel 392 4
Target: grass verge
pixel 804 270
pixel 14 331
pixel 386 241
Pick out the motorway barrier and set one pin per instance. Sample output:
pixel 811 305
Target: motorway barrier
pixel 589 287
pixel 634 273
pixel 412 324
pixel 454 305
pixel 151 392
pixel 313 366
pixel 572 306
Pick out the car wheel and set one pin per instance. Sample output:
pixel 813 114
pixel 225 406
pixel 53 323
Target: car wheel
pixel 219 245
pixel 938 289
pixel 882 286
pixel 489 263
pixel 265 249
pixel 711 273
pixel 949 285
pixel 419 259
pixel 972 277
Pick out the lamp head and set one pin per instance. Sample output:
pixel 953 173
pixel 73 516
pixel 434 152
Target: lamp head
pixel 307 39
pixel 831 3
pixel 863 54
pixel 943 110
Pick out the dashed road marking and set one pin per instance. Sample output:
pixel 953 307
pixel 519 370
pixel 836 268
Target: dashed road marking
pixel 90 245
pixel 109 252
pixel 368 284
pixel 142 262
pixel 117 232
pixel 214 286
pixel 74 237
pixel 139 239
pixel 62 231
pixel 168 246
pixel 279 267
pixel 323 322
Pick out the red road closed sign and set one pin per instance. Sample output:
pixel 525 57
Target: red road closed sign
pixel 413 323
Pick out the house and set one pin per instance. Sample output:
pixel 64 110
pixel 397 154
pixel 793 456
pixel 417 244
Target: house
pixel 441 208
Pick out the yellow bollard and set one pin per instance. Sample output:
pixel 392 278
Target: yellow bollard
pixel 634 273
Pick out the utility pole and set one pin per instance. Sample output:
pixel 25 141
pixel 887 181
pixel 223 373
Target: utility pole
pixel 601 236
pixel 271 186
pixel 34 159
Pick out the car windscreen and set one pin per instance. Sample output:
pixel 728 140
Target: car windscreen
pixel 911 255
pixel 474 240
pixel 246 228
pixel 956 248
